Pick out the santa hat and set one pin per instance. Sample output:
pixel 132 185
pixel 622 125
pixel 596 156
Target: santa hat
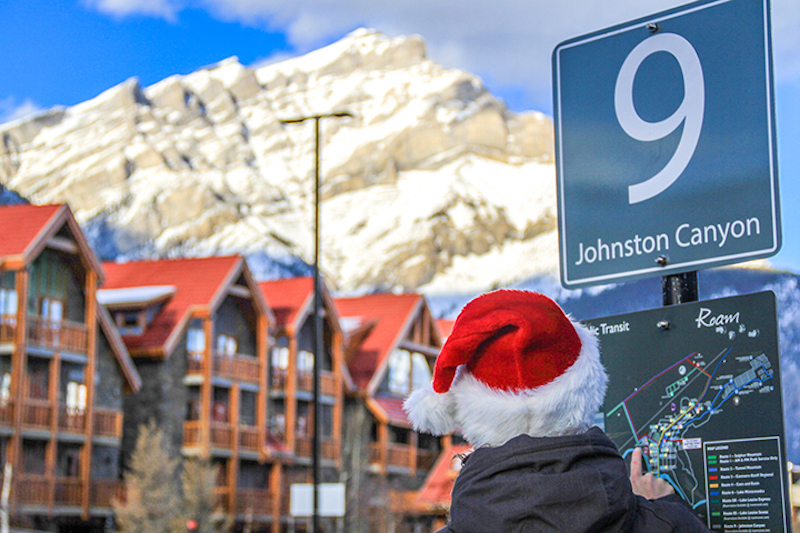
pixel 513 364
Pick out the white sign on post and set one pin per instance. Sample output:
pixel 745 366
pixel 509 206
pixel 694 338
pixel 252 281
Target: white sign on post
pixel 331 499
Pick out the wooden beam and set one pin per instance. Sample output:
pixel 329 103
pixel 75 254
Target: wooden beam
pixel 18 366
pixel 240 292
pixel 205 391
pixel 421 348
pixel 63 244
pixel 91 368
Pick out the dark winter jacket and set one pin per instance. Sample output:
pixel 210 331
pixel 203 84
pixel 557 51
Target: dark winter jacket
pixel 571 484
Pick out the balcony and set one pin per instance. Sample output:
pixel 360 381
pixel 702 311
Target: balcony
pixel 305 381
pixel 71 420
pixel 63 335
pixel 248 438
pixel 236 367
pixel 254 502
pixel 34 489
pixel 103 493
pixel 107 423
pixel 328 448
pixel 37 414
pixel 397 455
pixel 8 328
pixel 221 434
pixel 7 412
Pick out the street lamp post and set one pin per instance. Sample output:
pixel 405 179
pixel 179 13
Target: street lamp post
pixel 318 337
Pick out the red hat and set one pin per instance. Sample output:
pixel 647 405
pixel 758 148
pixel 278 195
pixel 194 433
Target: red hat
pixel 514 363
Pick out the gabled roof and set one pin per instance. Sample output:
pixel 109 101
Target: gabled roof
pixel 129 372
pixel 445 326
pixel 200 285
pixel 438 486
pixel 391 316
pixel 290 300
pixel 26 229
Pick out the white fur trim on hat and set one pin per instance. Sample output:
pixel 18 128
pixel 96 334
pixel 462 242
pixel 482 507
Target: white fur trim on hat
pixel 487 416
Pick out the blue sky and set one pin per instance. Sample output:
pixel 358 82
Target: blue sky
pixel 62 52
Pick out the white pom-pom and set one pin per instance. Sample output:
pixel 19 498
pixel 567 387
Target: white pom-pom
pixel 430 411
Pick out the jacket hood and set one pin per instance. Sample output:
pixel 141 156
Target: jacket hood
pixel 576 483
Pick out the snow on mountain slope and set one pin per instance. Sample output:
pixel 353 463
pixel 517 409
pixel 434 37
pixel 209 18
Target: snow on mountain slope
pixel 432 174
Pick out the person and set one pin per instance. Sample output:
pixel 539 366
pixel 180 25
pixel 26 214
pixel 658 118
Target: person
pixel 522 382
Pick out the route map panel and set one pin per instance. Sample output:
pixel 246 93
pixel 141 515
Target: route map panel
pixel 697 387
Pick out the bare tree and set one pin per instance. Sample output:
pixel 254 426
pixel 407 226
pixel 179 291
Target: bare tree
pixel 153 502
pixel 200 505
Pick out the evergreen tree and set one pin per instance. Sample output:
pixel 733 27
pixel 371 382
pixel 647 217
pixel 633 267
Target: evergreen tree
pixel 199 503
pixel 153 500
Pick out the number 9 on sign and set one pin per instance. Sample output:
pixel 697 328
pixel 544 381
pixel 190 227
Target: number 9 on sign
pixel 689 113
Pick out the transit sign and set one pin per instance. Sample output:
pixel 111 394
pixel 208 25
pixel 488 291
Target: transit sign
pixel 697 386
pixel 665 144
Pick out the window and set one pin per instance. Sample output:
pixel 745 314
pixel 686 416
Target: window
pixel 195 341
pixel 247 409
pixel 8 295
pixel 280 358
pixel 130 322
pixel 220 405
pixel 305 361
pixel 400 372
pixel 226 345
pixel 407 372
pixel 38 378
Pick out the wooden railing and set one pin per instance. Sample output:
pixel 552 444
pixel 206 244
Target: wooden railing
pixel 107 423
pixel 7 412
pixel 327 383
pixel 71 420
pixel 103 493
pixel 221 435
pixel 279 379
pixel 328 448
pixel 8 328
pixel 222 498
pixel 248 438
pixel 255 501
pixel 399 455
pixel 68 491
pixel 32 489
pixel 239 367
pixel 37 414
pixel 302 446
pixel 63 335
pixel 191 433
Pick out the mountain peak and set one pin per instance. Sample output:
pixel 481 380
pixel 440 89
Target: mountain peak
pixel 433 180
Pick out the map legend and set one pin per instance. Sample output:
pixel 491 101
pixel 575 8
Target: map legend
pixel 745 485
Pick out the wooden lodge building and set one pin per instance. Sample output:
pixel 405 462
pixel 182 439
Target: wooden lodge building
pixel 63 372
pixel 89 352
pixel 392 344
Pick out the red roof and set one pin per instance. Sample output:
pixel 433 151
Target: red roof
pixel 393 407
pixel 438 486
pixel 445 327
pixel 392 314
pixel 196 282
pixel 22 225
pixel 286 297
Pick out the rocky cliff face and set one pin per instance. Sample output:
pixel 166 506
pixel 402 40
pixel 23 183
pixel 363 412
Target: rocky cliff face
pixel 431 174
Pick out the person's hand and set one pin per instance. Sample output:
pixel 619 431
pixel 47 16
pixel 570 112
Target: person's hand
pixel 647 485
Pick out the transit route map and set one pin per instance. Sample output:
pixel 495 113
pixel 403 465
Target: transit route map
pixel 697 387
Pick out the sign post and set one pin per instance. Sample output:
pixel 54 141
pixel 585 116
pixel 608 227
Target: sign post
pixel 665 144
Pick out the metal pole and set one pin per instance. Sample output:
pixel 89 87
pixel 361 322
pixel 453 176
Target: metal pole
pixel 317 322
pixel 679 288
pixel 317 330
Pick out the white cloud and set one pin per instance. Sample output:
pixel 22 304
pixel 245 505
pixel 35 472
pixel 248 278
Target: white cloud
pixel 10 109
pixel 167 9
pixel 507 42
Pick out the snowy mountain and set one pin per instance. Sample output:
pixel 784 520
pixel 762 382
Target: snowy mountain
pixel 433 180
